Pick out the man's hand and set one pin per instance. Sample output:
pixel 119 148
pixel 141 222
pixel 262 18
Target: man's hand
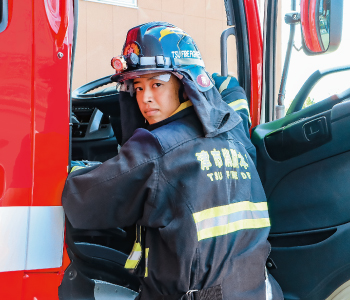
pixel 81 164
pixel 77 165
pixel 234 96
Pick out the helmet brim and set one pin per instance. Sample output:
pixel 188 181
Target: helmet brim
pixel 195 73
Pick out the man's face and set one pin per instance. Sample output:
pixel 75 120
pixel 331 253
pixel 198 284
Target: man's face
pixel 157 95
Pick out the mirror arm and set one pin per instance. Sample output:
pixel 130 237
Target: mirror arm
pixel 292 19
pixel 282 90
pixel 309 84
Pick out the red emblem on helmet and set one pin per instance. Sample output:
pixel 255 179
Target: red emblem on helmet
pixel 131 48
pixel 203 80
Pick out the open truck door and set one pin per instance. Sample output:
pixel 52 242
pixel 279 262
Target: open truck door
pixel 304 155
pixel 35 62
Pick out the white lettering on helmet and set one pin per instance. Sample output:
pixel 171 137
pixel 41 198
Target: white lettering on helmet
pixel 186 54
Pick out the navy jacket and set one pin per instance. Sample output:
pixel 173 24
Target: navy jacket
pixel 191 185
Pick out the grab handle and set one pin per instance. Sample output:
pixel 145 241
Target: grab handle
pixel 4 12
pixel 223 49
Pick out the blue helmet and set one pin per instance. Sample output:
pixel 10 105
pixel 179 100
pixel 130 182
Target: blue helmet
pixel 160 47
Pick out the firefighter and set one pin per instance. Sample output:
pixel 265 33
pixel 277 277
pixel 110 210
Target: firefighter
pixel 185 175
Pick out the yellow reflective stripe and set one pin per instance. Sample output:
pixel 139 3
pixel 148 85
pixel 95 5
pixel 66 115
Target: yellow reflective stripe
pixel 134 257
pixel 228 209
pixel 131 264
pixel 182 106
pixel 146 268
pixel 238 101
pixel 224 85
pixel 243 106
pixel 239 105
pixel 232 227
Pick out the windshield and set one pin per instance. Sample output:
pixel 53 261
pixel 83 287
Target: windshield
pixel 302 66
pixel 103 26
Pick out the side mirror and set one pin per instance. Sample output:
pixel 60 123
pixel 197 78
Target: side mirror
pixel 321 25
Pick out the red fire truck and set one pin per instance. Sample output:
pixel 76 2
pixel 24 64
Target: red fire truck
pixel 300 126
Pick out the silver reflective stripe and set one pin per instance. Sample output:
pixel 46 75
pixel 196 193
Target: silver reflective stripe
pixel 134 257
pixel 13 237
pixel 233 217
pixel 225 219
pixel 31 237
pixel 108 291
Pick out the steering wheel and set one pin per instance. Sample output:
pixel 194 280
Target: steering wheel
pixel 81 95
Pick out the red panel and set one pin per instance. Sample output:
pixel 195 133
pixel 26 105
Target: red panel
pixel 15 105
pixel 40 286
pixel 255 51
pixel 15 122
pixel 11 285
pixel 51 100
pixel 34 123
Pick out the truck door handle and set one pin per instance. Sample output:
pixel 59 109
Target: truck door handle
pixel 4 12
pixel 315 129
pixel 298 137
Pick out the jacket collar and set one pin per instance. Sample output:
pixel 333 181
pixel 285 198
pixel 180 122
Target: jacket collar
pixel 215 115
pixel 175 116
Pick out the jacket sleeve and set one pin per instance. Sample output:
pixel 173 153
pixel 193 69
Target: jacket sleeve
pixel 114 194
pixel 234 95
pixel 236 98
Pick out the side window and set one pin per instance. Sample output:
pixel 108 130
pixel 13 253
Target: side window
pixel 328 86
pixel 301 66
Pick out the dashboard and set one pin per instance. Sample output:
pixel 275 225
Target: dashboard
pixel 93 137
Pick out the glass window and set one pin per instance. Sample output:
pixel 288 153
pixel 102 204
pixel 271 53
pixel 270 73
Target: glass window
pixel 302 65
pixel 127 3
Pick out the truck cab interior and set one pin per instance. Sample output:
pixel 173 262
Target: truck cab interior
pixel 303 157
